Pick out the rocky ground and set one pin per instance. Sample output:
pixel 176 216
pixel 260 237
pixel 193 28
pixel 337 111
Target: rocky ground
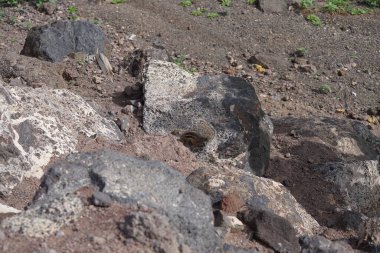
pixel 253 131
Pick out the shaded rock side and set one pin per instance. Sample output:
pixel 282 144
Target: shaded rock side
pixel 319 244
pixel 54 41
pixel 346 154
pixel 210 114
pixel 153 231
pixel 134 181
pixel 358 181
pixel 259 194
pixel 39 124
pixel 271 229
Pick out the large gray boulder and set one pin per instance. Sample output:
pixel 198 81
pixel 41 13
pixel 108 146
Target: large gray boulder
pixel 258 194
pixel 37 125
pixel 211 114
pixel 342 152
pixel 358 181
pixel 319 244
pixel 54 41
pixel 133 181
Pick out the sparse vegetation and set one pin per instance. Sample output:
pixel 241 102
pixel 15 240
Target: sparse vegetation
pixel 306 3
pixel 72 11
pixel 358 11
pixel 251 2
pixel 198 11
pixel 301 52
pixel 179 61
pixel 373 3
pixel 212 15
pixel 10 2
pixel 186 3
pixel 118 1
pixel 314 19
pixel 324 89
pixel 226 3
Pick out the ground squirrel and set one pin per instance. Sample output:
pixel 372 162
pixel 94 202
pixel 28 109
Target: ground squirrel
pixel 198 136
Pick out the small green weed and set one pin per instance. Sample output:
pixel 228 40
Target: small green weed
pixel 179 62
pixel 306 3
pixel 314 19
pixel 27 24
pixel 335 5
pixel 2 14
pixel 251 2
pixel 96 21
pixel 301 52
pixel 358 11
pixel 118 1
pixel 212 15
pixel 186 3
pixel 372 3
pixel 10 2
pixel 225 3
pixel 39 3
pixel 72 11
pixel 198 11
pixel 324 89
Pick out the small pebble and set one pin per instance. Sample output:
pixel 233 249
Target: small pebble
pixel 101 199
pixel 287 155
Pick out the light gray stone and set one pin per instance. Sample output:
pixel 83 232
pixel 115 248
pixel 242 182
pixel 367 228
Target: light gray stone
pixel 319 244
pixel 135 181
pixel 40 124
pixel 55 41
pixel 258 194
pixel 215 115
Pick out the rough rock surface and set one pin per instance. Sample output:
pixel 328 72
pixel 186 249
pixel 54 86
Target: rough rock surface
pixel 359 182
pixel 369 233
pixel 54 41
pixel 47 217
pixel 219 114
pixel 39 124
pixel 319 244
pixel 274 6
pixel 153 231
pixel 257 192
pixel 347 156
pixel 271 229
pixel 131 180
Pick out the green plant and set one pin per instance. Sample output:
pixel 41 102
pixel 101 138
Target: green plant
pixel 72 10
pixel 198 11
pixel 372 3
pixel 301 52
pixel 251 2
pixel 2 14
pixel 212 15
pixel 186 3
pixel 314 19
pixel 117 1
pixel 27 24
pixel 306 3
pixel 96 21
pixel 324 89
pixel 335 5
pixel 179 60
pixel 358 11
pixel 226 3
pixel 10 2
pixel 39 3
